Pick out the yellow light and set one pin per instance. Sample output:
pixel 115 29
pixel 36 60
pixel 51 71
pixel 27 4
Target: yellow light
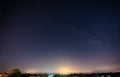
pixel 64 70
pixel 67 70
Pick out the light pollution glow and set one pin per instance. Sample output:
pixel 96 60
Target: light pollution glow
pixel 67 70
pixel 70 69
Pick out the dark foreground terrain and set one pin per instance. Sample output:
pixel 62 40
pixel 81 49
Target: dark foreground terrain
pixel 74 75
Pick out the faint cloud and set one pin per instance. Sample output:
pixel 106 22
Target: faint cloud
pixel 31 71
pixel 96 42
pixel 117 25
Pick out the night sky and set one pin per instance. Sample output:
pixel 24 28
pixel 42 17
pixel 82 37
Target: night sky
pixel 56 36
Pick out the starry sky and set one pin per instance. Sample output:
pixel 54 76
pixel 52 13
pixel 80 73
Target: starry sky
pixel 60 36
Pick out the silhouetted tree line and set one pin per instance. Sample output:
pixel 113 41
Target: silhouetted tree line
pixel 17 73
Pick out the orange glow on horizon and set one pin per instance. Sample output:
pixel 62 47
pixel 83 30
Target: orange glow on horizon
pixel 67 70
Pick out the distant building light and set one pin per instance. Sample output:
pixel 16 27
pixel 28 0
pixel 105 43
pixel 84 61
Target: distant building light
pixel 102 76
pixel 50 75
